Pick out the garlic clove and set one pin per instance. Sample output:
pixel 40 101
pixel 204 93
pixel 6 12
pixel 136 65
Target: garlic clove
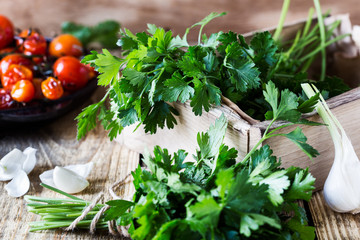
pixel 47 178
pixel 81 169
pixel 10 164
pixel 19 185
pixel 15 156
pixel 69 181
pixel 9 171
pixel 30 160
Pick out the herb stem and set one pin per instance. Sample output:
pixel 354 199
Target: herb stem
pixel 322 39
pixel 284 11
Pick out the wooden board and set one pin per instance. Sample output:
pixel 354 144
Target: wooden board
pixel 57 145
pixel 331 225
pixel 183 135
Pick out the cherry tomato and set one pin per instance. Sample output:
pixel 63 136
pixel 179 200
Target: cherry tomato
pixel 71 72
pixel 23 91
pixel 35 45
pixel 6 100
pixel 14 59
pixel 6 32
pixel 14 74
pixel 65 45
pixel 52 88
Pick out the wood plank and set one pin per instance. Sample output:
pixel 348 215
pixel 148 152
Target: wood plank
pixel 57 145
pixel 183 135
pixel 331 225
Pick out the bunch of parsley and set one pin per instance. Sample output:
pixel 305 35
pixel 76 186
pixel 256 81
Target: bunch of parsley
pixel 212 197
pixel 159 68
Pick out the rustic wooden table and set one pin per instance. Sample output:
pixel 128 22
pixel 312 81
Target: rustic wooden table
pixel 56 142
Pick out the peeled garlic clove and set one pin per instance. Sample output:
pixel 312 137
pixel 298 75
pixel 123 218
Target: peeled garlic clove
pixel 14 157
pixel 9 171
pixel 19 185
pixel 10 164
pixel 30 160
pixel 69 181
pixel 81 169
pixel 47 178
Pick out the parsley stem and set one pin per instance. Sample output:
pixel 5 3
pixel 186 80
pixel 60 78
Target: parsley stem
pixel 264 137
pixel 284 11
pixel 322 39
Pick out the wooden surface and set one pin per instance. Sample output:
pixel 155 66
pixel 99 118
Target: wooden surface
pixel 57 145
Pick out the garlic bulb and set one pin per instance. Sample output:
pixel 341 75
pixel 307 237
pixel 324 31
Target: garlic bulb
pixel 341 190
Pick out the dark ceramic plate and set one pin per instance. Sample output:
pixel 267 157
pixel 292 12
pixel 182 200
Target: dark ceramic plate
pixel 46 110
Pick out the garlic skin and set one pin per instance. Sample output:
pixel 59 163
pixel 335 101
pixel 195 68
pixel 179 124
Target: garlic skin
pixel 341 189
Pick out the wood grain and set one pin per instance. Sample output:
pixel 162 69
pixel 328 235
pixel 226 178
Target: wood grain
pixel 331 225
pixel 57 145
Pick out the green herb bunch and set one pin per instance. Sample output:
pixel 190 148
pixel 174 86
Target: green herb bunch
pixel 158 68
pixel 212 197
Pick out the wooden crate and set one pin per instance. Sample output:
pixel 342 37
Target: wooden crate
pixel 244 134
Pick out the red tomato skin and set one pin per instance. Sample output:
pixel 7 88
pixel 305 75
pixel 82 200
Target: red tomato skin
pixel 6 32
pixel 14 74
pixel 6 100
pixel 71 72
pixel 52 88
pixel 23 91
pixel 65 45
pixel 15 59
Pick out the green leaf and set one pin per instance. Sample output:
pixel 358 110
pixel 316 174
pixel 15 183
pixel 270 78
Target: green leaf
pixel 210 142
pixel 302 186
pixel 118 208
pixel 108 67
pixel 208 18
pixel 304 232
pixel 265 51
pixel 254 221
pixel 177 89
pixel 205 94
pixel 224 180
pixel 204 215
pixel 286 109
pixel 134 77
pixel 243 74
pixel 160 114
pixel 309 105
pixel 298 137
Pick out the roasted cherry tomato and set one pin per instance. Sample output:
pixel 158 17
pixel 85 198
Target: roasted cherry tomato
pixel 35 45
pixel 23 91
pixel 15 59
pixel 52 88
pixel 65 45
pixel 14 74
pixel 6 100
pixel 6 32
pixel 71 72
